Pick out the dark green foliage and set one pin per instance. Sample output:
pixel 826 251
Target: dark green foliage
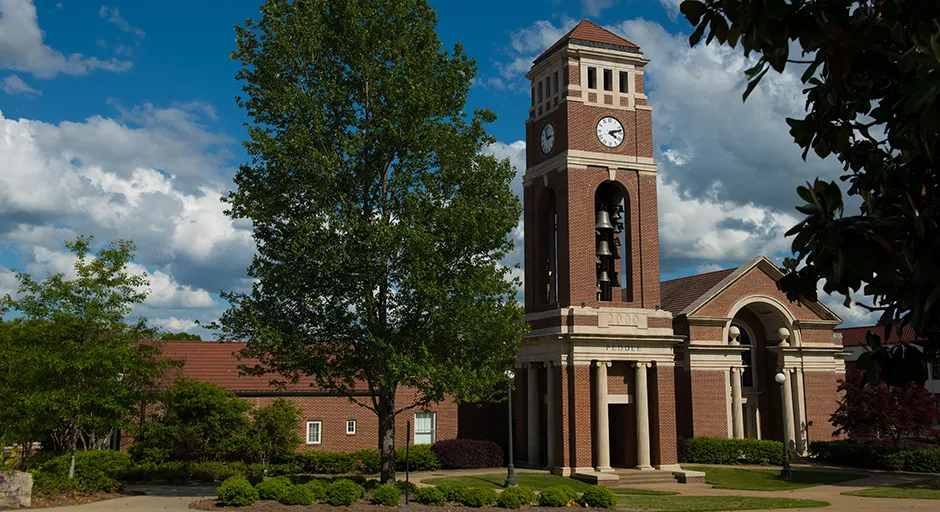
pixel 183 472
pixel 237 492
pixel 318 488
pixel 180 336
pixel 515 497
pixel 452 492
pixel 343 492
pixel 877 456
pixel 274 488
pixel 599 497
pixel 421 457
pixel 570 492
pixel 468 454
pixel 370 484
pixel 873 100
pixel 326 463
pixel 555 497
pixel 477 497
pixel 370 461
pixel 714 450
pixel 273 430
pixel 95 471
pixel 404 486
pixel 430 496
pixel 298 495
pixel 386 494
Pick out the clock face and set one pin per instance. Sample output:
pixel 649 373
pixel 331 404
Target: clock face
pixel 547 139
pixel 610 132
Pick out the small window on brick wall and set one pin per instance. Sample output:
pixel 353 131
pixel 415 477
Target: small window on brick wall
pixel 555 83
pixel 548 87
pixel 540 92
pixel 624 76
pixel 608 80
pixel 592 78
pixel 314 432
pixel 350 427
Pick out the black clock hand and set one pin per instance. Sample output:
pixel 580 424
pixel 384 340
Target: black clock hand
pixel 614 131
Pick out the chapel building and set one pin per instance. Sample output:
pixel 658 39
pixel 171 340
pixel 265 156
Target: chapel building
pixel 618 367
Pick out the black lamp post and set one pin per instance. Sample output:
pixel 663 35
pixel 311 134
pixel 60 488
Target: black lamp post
pixel 785 473
pixel 510 469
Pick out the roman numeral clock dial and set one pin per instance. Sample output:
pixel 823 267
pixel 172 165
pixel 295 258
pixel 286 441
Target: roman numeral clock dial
pixel 547 139
pixel 610 132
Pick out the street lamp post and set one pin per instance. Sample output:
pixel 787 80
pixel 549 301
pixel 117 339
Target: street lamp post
pixel 510 470
pixel 785 473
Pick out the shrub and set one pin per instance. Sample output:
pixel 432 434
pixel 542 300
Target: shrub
pixel 554 497
pixel 430 496
pixel 406 487
pixel 386 494
pixel 318 488
pixel 711 450
pixel 468 454
pixel 95 471
pixel 452 492
pixel 298 495
pixel 274 488
pixel 371 484
pixel 273 431
pixel 237 492
pixel 570 492
pixel 421 458
pixel 343 492
pixel 599 496
pixel 877 456
pixel 370 461
pixel 327 463
pixel 515 497
pixel 477 497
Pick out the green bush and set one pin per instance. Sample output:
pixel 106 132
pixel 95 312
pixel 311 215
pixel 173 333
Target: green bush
pixel 406 487
pixel 420 456
pixel 184 472
pixel 324 463
pixel 370 484
pixel 713 450
pixel 95 471
pixel 430 496
pixel 599 497
pixel 477 497
pixel 237 492
pixel 274 488
pixel 370 461
pixel 515 497
pixel 318 488
pixel 386 494
pixel 343 492
pixel 877 456
pixel 452 492
pixel 298 495
pixel 554 497
pixel 570 492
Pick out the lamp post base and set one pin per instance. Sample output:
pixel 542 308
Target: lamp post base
pixel 511 476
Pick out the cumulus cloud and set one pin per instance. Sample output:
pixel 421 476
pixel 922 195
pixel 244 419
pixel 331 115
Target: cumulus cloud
pixel 22 47
pixel 113 15
pixel 15 85
pixel 175 324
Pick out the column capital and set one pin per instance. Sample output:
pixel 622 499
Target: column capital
pixel 603 363
pixel 548 364
pixel 637 364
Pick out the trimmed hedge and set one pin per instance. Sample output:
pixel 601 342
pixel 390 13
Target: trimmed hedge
pixel 421 458
pixel 186 472
pixel 452 492
pixel 95 471
pixel 599 497
pixel 237 492
pixel 713 450
pixel 477 497
pixel 362 461
pixel 430 496
pixel 343 492
pixel 468 454
pixel 318 488
pixel 298 495
pixel 386 494
pixel 274 488
pixel 876 456
pixel 555 496
pixel 515 497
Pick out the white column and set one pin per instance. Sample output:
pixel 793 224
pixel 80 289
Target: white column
pixel 737 410
pixel 788 423
pixel 799 412
pixel 642 418
pixel 602 429
pixel 550 411
pixel 533 415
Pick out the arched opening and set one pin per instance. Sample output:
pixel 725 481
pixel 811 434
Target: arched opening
pixel 548 248
pixel 613 254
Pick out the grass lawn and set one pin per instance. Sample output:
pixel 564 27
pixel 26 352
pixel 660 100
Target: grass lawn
pixel 536 481
pixel 768 479
pixel 707 503
pixel 926 490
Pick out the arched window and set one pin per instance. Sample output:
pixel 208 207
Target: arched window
pixel 548 248
pixel 612 243
pixel 746 338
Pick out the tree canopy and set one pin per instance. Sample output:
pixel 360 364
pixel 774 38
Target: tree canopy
pixel 180 336
pixel 380 223
pixel 872 76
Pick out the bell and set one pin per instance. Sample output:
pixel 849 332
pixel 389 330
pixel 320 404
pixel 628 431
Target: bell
pixel 616 218
pixel 616 282
pixel 602 277
pixel 603 221
pixel 602 249
pixel 617 241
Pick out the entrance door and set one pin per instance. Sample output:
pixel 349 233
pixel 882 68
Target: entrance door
pixel 622 435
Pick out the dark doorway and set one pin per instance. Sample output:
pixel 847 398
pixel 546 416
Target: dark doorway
pixel 622 436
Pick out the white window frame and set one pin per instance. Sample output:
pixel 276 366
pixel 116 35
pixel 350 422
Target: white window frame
pixel 319 439
pixel 753 348
pixel 351 423
pixel 433 430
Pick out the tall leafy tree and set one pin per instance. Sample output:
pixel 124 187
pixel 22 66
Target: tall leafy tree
pixel 872 75
pixel 85 366
pixel 379 222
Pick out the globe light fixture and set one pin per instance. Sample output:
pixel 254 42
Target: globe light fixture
pixel 785 473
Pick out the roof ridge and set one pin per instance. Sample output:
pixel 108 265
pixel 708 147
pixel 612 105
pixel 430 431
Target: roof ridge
pixel 699 275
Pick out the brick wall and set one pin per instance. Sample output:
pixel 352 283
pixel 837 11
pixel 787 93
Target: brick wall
pixel 662 416
pixel 581 446
pixel 755 282
pixel 822 401
pixel 709 412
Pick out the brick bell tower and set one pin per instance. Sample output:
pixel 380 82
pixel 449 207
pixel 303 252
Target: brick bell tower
pixel 596 384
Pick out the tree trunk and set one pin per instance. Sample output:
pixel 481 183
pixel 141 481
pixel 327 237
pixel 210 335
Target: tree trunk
pixel 386 413
pixel 72 454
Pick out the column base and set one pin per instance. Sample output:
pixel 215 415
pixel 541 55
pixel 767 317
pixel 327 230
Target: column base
pixel 644 468
pixel 588 469
pixel 604 469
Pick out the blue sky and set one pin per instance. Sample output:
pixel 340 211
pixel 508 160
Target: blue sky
pixel 119 120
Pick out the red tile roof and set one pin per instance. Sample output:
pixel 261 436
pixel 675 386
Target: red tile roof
pixel 676 294
pixel 855 336
pixel 588 31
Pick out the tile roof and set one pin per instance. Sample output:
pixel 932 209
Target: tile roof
pixel 588 31
pixel 676 294
pixel 855 336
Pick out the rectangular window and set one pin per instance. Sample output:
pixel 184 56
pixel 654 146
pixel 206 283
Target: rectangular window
pixel 533 96
pixel 350 427
pixel 608 80
pixel 555 83
pixel 624 76
pixel 425 427
pixel 314 430
pixel 592 78
pixel 540 91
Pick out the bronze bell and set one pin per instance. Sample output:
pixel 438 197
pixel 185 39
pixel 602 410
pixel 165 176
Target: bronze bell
pixel 616 282
pixel 602 277
pixel 616 218
pixel 603 221
pixel 602 249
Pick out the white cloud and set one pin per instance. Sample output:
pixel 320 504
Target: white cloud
pixel 708 267
pixel 13 84
pixel 22 47
pixel 8 282
pixel 114 16
pixel 594 7
pixel 175 324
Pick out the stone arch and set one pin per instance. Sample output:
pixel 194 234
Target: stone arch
pixel 775 310
pixel 613 195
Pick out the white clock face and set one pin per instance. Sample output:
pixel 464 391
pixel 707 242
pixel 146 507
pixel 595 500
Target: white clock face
pixel 610 132
pixel 547 139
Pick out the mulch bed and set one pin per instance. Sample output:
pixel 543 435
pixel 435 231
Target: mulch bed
pixel 273 506
pixel 75 499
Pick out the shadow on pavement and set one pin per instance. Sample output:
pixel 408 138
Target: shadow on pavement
pixel 171 490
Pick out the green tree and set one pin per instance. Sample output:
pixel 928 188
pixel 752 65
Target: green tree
pixel 273 431
pixel 872 75
pixel 379 223
pixel 85 365
pixel 180 336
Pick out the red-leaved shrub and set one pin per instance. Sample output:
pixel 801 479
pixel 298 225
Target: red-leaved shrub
pixel 468 454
